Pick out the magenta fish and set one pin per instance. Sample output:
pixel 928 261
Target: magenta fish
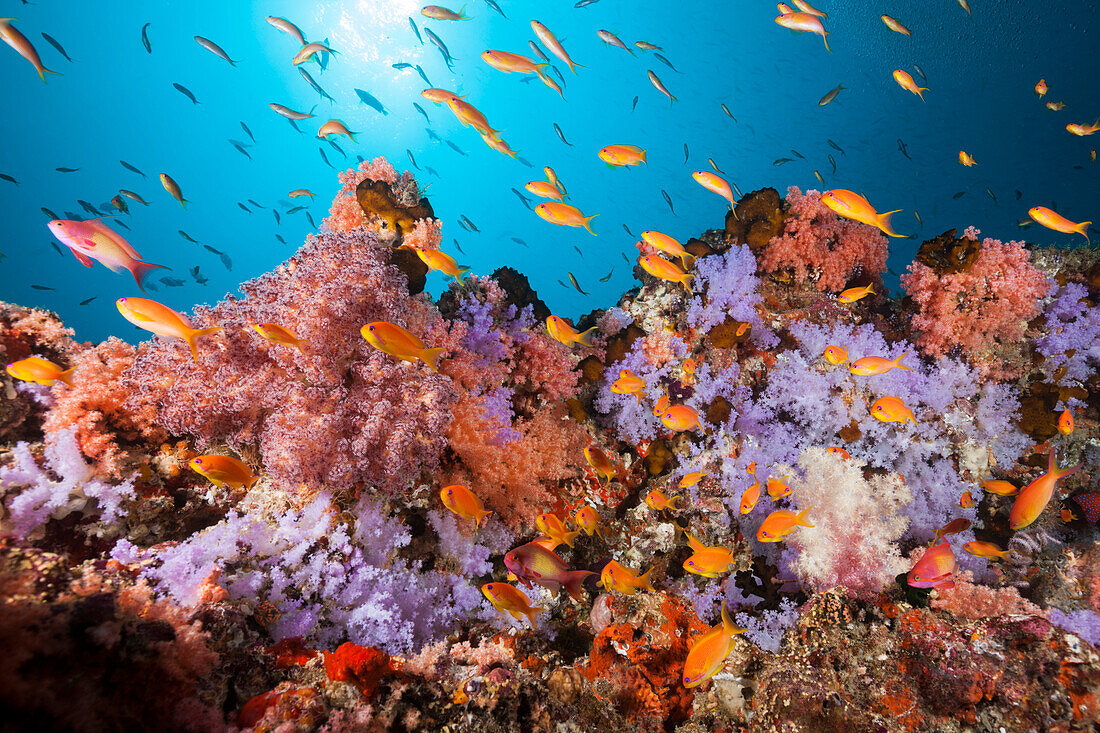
pixel 93 240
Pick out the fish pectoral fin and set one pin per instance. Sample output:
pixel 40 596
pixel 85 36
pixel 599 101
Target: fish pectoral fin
pixel 140 316
pixel 83 258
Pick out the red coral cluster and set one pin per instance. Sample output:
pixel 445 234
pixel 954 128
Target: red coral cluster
pixel 362 666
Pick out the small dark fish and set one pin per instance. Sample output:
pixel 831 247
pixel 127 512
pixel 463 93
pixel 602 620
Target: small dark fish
pixel 797 154
pixel 630 233
pixel 295 210
pixel 495 7
pixel 432 171
pixel 131 168
pixel 314 85
pixel 226 261
pixel 258 206
pixel 561 79
pixel 172 282
pixel 459 247
pixel 214 49
pixel 325 157
pixel 519 195
pixel 120 205
pixel 240 149
pixel 989 192
pixel 576 284
pixel 309 217
pixel 836 147
pixel 244 208
pixel 8 178
pixel 830 95
pixel 402 65
pixel 86 301
pixel 421 111
pixel 295 126
pixel 959 195
pixel 42 287
pixel 1025 223
pixel 198 276
pixel 423 76
pixel 737 191
pixel 563 284
pixel 66 170
pixel 832 160
pixel 367 98
pixel 902 148
pixel 781 161
pixel 469 223
pixel 122 224
pixel 561 135
pixel 686 153
pixel 153 287
pixel 416 31
pixel 280 238
pixel 523 160
pixel 57 248
pixel 188 237
pixel 208 248
pixel 715 166
pixel 607 277
pixel 917 214
pixel 278 219
pixel 322 57
pixel 337 148
pixel 145 38
pixel 248 132
pixel 438 43
pixel 584 4
pixel 457 149
pixel 625 258
pixel 53 42
pixel 185 92
pixel 432 135
pixel 920 71
pixel 578 250
pixel 728 113
pixel 634 105
pixel 668 200
pixel 411 158
pixel 88 207
pixel 49 213
pixel 1019 193
pixel 817 175
pixel 666 62
pixel 519 241
pixel 538 51
pixel 73 215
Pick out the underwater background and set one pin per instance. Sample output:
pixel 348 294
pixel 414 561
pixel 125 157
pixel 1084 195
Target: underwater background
pixel 787 418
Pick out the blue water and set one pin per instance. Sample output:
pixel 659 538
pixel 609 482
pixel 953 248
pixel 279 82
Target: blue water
pixel 115 101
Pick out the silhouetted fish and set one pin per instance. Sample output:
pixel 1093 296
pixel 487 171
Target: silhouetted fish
pixel 367 98
pixel 325 157
pixel 416 31
pixel 244 208
pixel 627 229
pixel 185 92
pixel 561 135
pixel 423 76
pixel 309 217
pixel 8 178
pixel 495 7
pixel 278 219
pixel 53 42
pixel 686 153
pixel 49 213
pixel 634 105
pixel 836 147
pixel 959 195
pixel 578 250
pixel 411 158
pixel 432 171
pixel 214 49
pixel 172 282
pixel 607 277
pixel 577 285
pixel 668 200
pixel 145 38
pixel 402 65
pixel 66 170
pixel 240 149
pixel 521 197
pixel 459 246
pixel 198 276
pixel 457 149
pixel 666 62
pixel 57 248
pixel 314 85
pixel 902 148
pixel 258 206
pixel 86 301
pixel 188 237
pixel 470 223
pixel 519 241
pixel 131 168
pixel 42 287
pixel 421 111
pixel 249 132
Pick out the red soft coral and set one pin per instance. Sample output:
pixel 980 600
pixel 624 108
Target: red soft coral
pixel 820 247
pixel 345 213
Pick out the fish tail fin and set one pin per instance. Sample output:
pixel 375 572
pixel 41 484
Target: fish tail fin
pixel 899 365
pixel 588 338
pixel 687 261
pixel 643 158
pixel 686 281
pixel 825 37
pixel 67 376
pixel 570 537
pixel 1083 230
pixel 431 357
pixel 194 334
pixel 728 625
pixel 48 71
pixel 801 517
pixel 572 582
pixel 883 221
pixel 645 582
pixel 588 219
pixel 141 269
pixel 695 544
pixel 1055 471
pixel 479 515
pixel 532 613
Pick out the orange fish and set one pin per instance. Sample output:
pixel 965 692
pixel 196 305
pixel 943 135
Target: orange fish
pixel 561 331
pixel 622 155
pixel 1056 106
pixel 307 52
pixel 544 189
pixel 439 96
pixel 224 471
pixel 509 62
pixel 851 295
pixel 836 355
pixel 301 192
pixel 781 523
pixel 689 372
pixel 1000 488
pixel 751 468
pixel 600 463
pixel 935 568
pixel 750 497
pixel 551 42
pixel 777 489
pixel 552 527
pixel 953 527
pixel 588 519
pixel 659 500
pixel 1041 87
pixel 441 261
pixel 710 562
pixel 840 452
pixel 277 334
pixel 1065 422
pixel 336 127
pixel 966 159
pixel 891 409
pixel 629 383
pixel 668 245
pixel 396 341
pixel 11 36
pixel 1053 220
pixel 173 189
pixel 806 22
pixel 438 12
pixel 497 143
pixel 464 503
pixel 905 81
pixel 660 86
pixel 986 550
pixel 662 405
pixel 805 7
pixel 894 25
pixel 662 269
pixel 709 652
pixel 691 479
pixel 471 116
pixel 91 239
pixel 715 184
pixel 1033 498
pixel 681 418
pixel 534 563
pixel 851 205
pixel 163 321
pixel 869 366
pixel 507 598
pixel 556 212
pixel 1082 130
pixel 1068 516
pixel 620 578
pixel 966 500
pixel 40 371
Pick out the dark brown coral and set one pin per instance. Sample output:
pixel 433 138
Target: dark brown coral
pixel 948 254
pixel 380 202
pixel 757 218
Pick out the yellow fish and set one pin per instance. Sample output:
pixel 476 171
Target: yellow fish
pixel 836 355
pixel 551 42
pixel 335 127
pixel 894 25
pixel 1081 129
pixel 588 519
pixel 509 62
pixel 851 295
pixel 545 189
pixel 441 261
pixel 622 155
pixel 750 498
pixel 690 479
pixel 163 321
pixel 507 598
pixel 224 471
pixel 805 22
pixel 1053 220
pixel 553 528
pixel 659 500
pixel 277 334
pixel 464 503
pixel 1041 87
pixel 851 205
pixel 301 192
pixel 669 246
pixel 661 268
pixel 892 409
pixel 39 371
pixel 1033 498
pixel 681 418
pixel 710 562
pixel 622 579
pixel 552 177
pixel 905 81
pixel 1001 488
pixel 966 159
pixel 629 383
pixel 715 184
pixel 561 331
pixel 440 96
pixel 556 212
pixel 709 652
pixel 600 463
pixel 11 36
pixel 986 550
pixel 869 366
pixel 777 489
pixel 1065 422
pixel 173 188
pixel 396 341
pixel 781 523
pixel 438 12
pixel 307 51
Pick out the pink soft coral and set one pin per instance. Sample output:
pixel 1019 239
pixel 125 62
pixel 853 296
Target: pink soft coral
pixel 973 601
pixel 983 307
pixel 425 234
pixel 820 247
